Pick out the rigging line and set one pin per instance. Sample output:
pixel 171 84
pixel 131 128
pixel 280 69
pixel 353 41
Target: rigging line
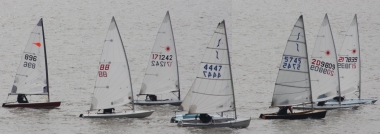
pixel 291 93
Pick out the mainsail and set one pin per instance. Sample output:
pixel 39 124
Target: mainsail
pixel 323 69
pixel 349 60
pixel 31 76
pixel 292 86
pixel 161 75
pixel 113 82
pixel 212 90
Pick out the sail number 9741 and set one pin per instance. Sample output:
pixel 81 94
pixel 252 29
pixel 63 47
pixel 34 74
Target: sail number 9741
pixel 212 71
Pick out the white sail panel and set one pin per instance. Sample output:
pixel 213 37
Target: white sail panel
pixel 349 60
pixel 112 82
pixel 293 85
pixel 31 73
pixel 161 75
pixel 323 68
pixel 212 90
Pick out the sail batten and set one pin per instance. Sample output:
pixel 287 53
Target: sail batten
pixel 292 85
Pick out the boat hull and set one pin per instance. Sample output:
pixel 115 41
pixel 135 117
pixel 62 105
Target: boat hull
pixel 136 114
pixel 188 117
pixel 351 101
pixel 325 107
pixel 314 114
pixel 227 122
pixel 46 105
pixel 158 102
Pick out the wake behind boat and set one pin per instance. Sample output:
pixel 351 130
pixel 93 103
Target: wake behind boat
pixel 113 82
pixel 161 78
pixel 213 90
pixel 32 75
pixel 293 86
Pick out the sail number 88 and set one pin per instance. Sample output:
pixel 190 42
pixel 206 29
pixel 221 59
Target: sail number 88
pixel 103 67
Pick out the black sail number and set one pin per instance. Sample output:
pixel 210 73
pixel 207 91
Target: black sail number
pixel 29 65
pixel 30 57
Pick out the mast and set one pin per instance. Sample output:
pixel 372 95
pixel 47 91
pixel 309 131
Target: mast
pixel 46 64
pixel 129 72
pixel 336 57
pixel 360 65
pixel 307 61
pixel 229 61
pixel 175 50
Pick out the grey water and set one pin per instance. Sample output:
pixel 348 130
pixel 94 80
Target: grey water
pixel 257 33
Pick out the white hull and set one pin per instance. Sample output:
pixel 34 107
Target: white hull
pixel 158 102
pixel 188 117
pixel 351 101
pixel 325 107
pixel 129 114
pixel 227 122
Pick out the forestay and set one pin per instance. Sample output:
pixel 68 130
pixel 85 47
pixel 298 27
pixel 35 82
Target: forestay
pixel 161 75
pixel 113 77
pixel 293 84
pixel 323 69
pixel 31 77
pixel 349 60
pixel 213 90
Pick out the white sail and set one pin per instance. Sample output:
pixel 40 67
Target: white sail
pixel 185 105
pixel 323 68
pixel 349 60
pixel 113 78
pixel 161 75
pixel 31 77
pixel 213 90
pixel 293 84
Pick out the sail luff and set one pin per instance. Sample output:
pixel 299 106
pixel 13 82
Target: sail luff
pixel 175 51
pixel 360 61
pixel 126 60
pixel 46 64
pixel 307 61
pixel 229 63
pixel 336 62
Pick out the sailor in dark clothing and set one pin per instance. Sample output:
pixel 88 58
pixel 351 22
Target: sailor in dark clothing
pixel 205 118
pixel 321 103
pixel 21 98
pixel 152 97
pixel 284 110
pixel 108 111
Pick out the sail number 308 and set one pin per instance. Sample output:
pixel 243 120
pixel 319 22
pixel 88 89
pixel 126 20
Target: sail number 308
pixel 212 71
pixel 29 61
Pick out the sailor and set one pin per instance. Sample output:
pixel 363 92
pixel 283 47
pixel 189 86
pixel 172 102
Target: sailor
pixel 284 110
pixel 152 97
pixel 21 98
pixel 205 118
pixel 108 111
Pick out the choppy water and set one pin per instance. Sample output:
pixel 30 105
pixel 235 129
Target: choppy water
pixel 257 31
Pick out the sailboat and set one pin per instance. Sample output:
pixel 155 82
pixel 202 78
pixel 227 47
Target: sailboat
pixel 324 71
pixel 293 86
pixel 113 81
pixel 32 74
pixel 161 76
pixel 213 89
pixel 349 65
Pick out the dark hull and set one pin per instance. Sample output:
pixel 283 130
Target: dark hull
pixel 315 114
pixel 33 105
